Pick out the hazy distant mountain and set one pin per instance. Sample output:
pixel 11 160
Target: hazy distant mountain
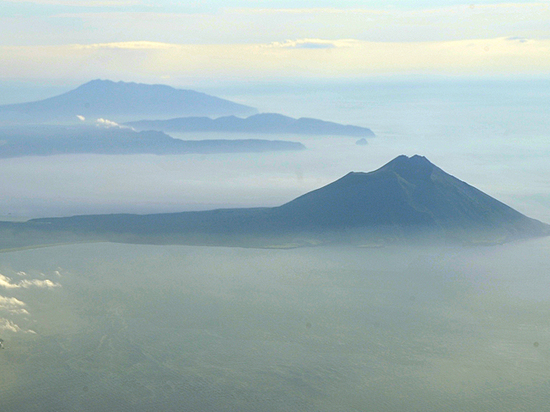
pixel 121 102
pixel 52 140
pixel 408 198
pixel 259 123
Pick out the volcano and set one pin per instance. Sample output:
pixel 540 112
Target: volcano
pixel 408 199
pixel 121 102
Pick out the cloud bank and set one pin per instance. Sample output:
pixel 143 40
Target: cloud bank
pixel 146 61
pixel 192 24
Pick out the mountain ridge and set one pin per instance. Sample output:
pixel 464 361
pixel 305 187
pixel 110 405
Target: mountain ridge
pixel 270 123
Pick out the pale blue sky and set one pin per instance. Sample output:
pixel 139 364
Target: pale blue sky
pixel 52 7
pixel 56 22
pixel 175 42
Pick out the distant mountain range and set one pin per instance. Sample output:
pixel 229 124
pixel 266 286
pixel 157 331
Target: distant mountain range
pixel 53 140
pixel 258 123
pixel 407 199
pixel 175 110
pixel 120 102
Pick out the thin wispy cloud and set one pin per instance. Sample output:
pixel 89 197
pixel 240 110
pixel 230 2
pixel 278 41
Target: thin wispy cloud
pixel 253 25
pixel 8 325
pixel 315 58
pixel 133 45
pixel 108 124
pixel 312 44
pixel 105 123
pixel 8 283
pixel 13 305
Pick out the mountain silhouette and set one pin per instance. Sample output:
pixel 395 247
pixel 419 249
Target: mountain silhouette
pixel 407 199
pixel 258 123
pixel 121 102
pixel 406 193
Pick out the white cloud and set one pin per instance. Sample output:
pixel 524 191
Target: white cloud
pixel 312 44
pixel 13 305
pixel 109 124
pixel 81 118
pixel 43 284
pixel 10 302
pixel 7 283
pixel 8 325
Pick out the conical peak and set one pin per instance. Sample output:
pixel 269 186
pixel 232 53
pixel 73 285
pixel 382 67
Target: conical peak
pixel 401 165
pixel 405 161
pixel 416 166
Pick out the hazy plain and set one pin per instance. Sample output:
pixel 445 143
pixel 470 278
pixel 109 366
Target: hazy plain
pixel 128 327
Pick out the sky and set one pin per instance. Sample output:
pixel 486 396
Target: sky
pixel 67 42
